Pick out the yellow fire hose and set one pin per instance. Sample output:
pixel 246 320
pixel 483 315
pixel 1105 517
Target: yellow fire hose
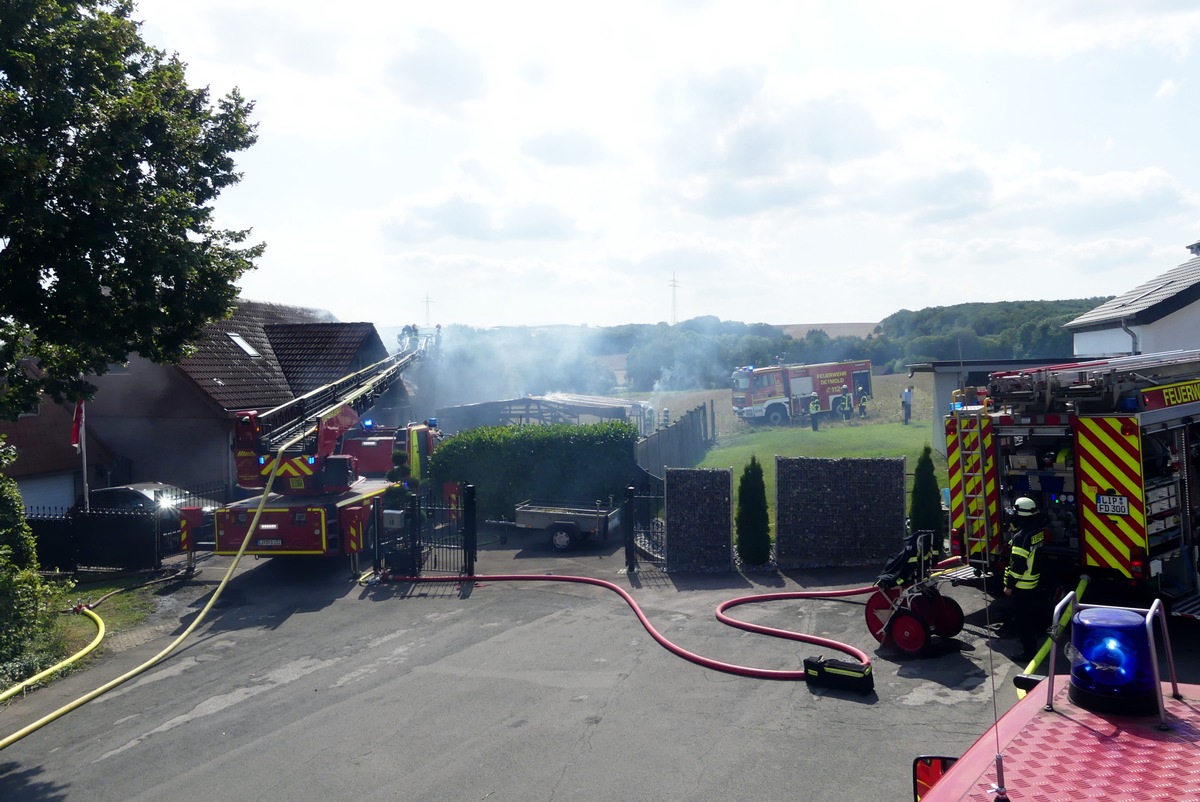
pixel 20 686
pixel 1052 642
pixel 156 659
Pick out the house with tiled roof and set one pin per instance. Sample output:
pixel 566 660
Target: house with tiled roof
pixel 1162 314
pixel 174 423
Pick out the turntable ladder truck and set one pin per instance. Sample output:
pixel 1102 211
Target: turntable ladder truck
pixel 320 503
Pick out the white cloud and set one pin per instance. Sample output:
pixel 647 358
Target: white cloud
pixel 1166 89
pixel 787 161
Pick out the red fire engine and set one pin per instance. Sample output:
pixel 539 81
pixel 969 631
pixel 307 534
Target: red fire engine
pixel 325 497
pixel 778 393
pixel 1108 448
pixel 1111 729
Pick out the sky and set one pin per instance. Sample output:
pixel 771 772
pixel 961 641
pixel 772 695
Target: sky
pixel 642 161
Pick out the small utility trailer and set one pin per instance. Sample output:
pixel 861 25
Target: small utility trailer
pixel 569 524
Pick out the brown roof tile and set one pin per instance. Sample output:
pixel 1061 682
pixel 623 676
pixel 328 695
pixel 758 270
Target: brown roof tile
pixel 312 355
pixel 230 375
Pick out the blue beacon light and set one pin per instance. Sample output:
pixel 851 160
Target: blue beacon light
pixel 1111 666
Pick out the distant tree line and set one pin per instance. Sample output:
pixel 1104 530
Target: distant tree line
pixel 700 354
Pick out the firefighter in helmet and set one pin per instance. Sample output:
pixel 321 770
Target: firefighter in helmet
pixel 863 398
pixel 845 403
pixel 814 410
pixel 1022 577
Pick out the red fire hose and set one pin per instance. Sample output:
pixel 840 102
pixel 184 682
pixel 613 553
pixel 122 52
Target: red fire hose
pixel 706 662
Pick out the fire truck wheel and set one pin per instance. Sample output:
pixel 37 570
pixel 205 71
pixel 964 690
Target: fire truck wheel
pixel 777 416
pixel 560 539
pixel 908 631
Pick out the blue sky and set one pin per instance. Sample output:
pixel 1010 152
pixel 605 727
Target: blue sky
pixel 531 163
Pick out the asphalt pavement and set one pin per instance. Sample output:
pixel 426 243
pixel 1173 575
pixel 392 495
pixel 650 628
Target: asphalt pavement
pixel 305 685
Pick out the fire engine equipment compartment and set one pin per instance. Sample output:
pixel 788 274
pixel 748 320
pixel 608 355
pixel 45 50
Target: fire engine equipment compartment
pixel 1108 450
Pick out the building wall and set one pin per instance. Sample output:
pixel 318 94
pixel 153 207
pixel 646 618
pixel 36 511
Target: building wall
pixel 157 418
pixel 1106 342
pixel 1175 331
pixel 1178 330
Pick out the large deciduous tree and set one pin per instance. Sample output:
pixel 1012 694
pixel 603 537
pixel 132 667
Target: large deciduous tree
pixel 109 167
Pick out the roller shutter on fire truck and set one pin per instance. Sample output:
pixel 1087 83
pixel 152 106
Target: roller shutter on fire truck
pixel 1109 480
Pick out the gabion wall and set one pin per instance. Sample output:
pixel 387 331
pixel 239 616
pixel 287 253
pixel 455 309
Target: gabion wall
pixel 699 519
pixel 838 512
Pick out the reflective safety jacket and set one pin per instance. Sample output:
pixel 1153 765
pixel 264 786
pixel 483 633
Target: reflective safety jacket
pixel 1022 573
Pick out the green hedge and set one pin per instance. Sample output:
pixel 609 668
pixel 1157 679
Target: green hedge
pixel 508 464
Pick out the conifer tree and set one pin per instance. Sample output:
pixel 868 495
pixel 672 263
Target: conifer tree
pixel 925 504
pixel 753 527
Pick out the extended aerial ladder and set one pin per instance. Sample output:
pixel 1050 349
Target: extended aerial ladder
pixel 322 415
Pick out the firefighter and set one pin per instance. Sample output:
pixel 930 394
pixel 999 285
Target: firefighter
pixel 846 403
pixel 863 398
pixel 1022 577
pixel 814 410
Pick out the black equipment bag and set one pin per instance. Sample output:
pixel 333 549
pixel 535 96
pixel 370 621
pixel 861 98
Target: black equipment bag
pixel 847 675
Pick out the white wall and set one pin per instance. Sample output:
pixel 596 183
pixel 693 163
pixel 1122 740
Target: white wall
pixel 1179 330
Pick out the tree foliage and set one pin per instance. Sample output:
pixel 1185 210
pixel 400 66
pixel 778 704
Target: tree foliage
pixel 109 167
pixel 509 464
pixel 751 521
pixel 21 590
pixel 925 504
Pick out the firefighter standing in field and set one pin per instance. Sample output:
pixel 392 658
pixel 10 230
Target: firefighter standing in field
pixel 863 398
pixel 846 403
pixel 1022 578
pixel 814 410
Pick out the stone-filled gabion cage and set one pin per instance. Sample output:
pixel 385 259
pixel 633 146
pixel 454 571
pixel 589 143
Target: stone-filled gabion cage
pixel 838 512
pixel 699 519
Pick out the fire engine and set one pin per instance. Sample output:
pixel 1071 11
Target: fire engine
pixel 326 495
pixel 1108 448
pixel 778 393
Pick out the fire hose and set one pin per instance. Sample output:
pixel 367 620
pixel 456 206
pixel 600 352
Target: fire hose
pixel 679 651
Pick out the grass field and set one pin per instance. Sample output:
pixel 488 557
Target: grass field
pixel 882 434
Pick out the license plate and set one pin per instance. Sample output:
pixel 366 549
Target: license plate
pixel 1112 505
pixel 269 542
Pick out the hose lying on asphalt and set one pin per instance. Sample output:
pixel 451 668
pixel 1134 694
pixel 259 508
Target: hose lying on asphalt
pixel 700 660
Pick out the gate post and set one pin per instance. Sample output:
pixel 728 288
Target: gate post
pixel 470 532
pixel 627 523
pixel 412 531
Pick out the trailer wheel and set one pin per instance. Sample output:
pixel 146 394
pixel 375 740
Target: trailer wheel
pixel 561 539
pixel 948 619
pixel 879 610
pixel 943 613
pixel 908 631
pixel 777 415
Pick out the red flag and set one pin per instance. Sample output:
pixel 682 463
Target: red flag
pixel 77 425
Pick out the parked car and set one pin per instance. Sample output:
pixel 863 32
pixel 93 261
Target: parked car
pixel 151 496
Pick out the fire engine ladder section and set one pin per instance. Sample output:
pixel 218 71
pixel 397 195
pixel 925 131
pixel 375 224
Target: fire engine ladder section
pixel 977 524
pixel 358 390
pixel 1074 379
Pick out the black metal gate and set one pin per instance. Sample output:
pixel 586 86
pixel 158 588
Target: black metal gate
pixel 646 540
pixel 437 535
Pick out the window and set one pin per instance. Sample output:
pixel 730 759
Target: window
pixel 245 346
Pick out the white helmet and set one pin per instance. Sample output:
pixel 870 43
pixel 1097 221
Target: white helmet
pixel 1025 507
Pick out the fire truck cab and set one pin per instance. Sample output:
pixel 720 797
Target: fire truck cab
pixel 1109 449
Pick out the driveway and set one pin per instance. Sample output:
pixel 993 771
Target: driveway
pixel 304 685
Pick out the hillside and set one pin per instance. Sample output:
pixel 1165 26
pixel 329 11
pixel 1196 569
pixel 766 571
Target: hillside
pixel 798 331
